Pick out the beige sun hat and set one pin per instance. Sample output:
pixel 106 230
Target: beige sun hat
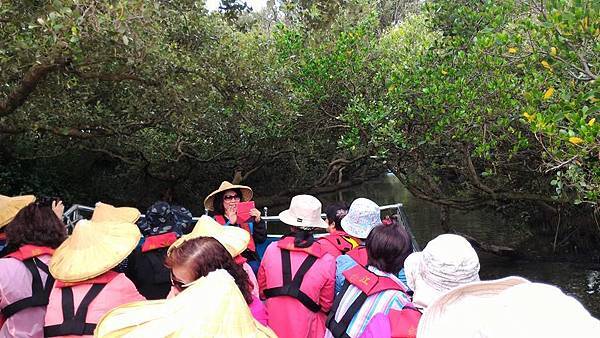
pixel 10 207
pixel 212 306
pixel 93 249
pixel 446 262
pixel 105 213
pixel 304 212
pixel 459 312
pixel 225 185
pixel 234 239
pixel 507 308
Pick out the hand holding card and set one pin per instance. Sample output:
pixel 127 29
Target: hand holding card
pixel 243 211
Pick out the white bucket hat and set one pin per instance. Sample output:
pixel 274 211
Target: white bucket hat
pixel 362 217
pixel 446 262
pixel 304 212
pixel 511 307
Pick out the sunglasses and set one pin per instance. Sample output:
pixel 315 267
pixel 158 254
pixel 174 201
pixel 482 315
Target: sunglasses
pixel 231 197
pixel 177 284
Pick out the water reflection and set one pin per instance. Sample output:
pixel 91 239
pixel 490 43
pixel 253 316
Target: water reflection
pixel 576 280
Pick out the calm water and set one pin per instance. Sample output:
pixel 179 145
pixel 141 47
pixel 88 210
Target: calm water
pixel 577 280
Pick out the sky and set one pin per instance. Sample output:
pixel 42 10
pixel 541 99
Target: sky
pixel 255 4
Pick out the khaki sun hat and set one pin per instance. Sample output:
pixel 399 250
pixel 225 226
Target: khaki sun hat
pixel 10 207
pixel 225 185
pixel 459 312
pixel 234 239
pixel 105 213
pixel 212 306
pixel 304 212
pixel 93 249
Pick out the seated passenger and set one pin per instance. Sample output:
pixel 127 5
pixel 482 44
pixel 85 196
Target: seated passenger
pixel 189 262
pixel 446 262
pixel 506 308
pixel 222 206
pixel 212 306
pixel 33 232
pixel 363 216
pixel 161 226
pixel 338 242
pixel 88 268
pixel 297 276
pixel 374 288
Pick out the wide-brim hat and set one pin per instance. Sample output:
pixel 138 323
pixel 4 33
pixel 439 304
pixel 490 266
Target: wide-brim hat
pixel 10 207
pixel 93 249
pixel 223 313
pixel 304 212
pixel 459 312
pixel 107 213
pixel 363 215
pixel 161 217
pixel 446 262
pixel 225 185
pixel 234 239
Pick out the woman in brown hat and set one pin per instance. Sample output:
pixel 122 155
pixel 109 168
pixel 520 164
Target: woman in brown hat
pixel 33 231
pixel 222 205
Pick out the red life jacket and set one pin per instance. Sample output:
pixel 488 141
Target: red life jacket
pixel 404 322
pixel 341 241
pixel 359 255
pixel 291 286
pixel 251 246
pixel 40 293
pixel 369 284
pixel 159 241
pixel 74 319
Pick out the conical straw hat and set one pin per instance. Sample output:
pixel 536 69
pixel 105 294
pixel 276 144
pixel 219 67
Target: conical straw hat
pixel 105 213
pixel 234 239
pixel 225 185
pixel 93 249
pixel 10 207
pixel 212 306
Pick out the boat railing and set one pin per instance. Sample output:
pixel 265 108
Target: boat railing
pixel 74 215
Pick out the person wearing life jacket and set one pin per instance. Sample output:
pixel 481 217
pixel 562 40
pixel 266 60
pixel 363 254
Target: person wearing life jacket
pixel 338 242
pixel 296 275
pixel 162 225
pixel 88 268
pixel 374 288
pixel 222 206
pixel 362 217
pixel 33 231
pixel 448 261
pixel 211 306
pixel 207 248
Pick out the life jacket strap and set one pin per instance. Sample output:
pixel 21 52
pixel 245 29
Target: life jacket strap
pixel 40 293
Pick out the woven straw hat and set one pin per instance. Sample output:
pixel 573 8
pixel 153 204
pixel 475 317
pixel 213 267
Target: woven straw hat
pixel 460 312
pixel 225 185
pixel 212 306
pixel 510 307
pixel 362 217
pixel 234 239
pixel 304 212
pixel 10 207
pixel 93 249
pixel 106 213
pixel 446 262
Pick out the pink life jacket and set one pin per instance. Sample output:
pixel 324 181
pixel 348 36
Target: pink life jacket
pixel 159 241
pixel 291 286
pixel 359 255
pixel 404 323
pixel 341 241
pixel 251 246
pixel 74 320
pixel 40 293
pixel 369 284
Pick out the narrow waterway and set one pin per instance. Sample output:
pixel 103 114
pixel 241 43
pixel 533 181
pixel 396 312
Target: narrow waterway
pixel 577 280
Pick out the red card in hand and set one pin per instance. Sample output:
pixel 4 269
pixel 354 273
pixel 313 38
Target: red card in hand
pixel 243 211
